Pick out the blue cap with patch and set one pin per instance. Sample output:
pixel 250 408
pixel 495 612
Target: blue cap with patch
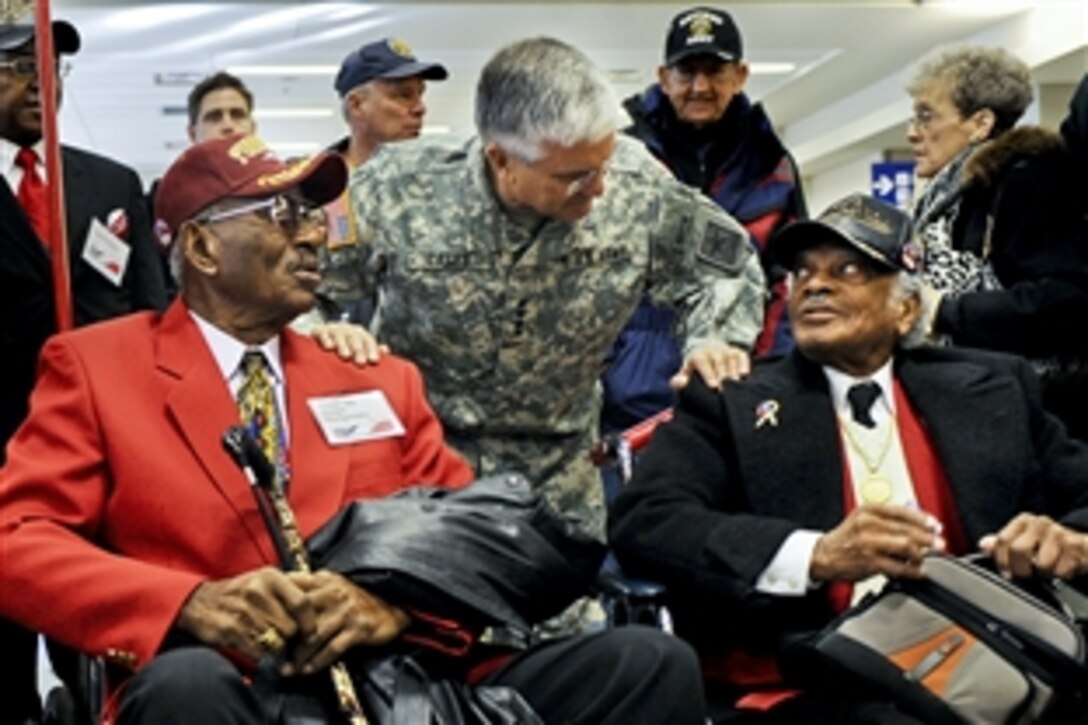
pixel 388 58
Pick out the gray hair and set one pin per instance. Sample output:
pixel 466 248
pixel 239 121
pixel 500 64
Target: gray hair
pixel 176 259
pixel 907 285
pixel 542 90
pixel 978 77
pixel 362 89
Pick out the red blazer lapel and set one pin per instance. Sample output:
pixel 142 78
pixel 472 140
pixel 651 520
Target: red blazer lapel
pixel 309 457
pixel 202 408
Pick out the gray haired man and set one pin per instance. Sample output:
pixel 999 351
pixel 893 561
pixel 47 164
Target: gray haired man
pixel 507 267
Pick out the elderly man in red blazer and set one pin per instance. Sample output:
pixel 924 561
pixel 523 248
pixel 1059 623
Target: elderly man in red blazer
pixel 125 527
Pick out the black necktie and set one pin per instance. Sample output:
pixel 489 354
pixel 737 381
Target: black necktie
pixel 861 397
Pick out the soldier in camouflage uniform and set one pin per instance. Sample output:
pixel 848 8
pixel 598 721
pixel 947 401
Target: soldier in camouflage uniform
pixel 507 268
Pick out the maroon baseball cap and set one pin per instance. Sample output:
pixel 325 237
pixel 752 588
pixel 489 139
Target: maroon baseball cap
pixel 240 167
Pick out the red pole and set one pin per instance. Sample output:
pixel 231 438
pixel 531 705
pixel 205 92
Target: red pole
pixel 57 244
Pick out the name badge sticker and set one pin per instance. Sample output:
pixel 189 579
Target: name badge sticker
pixel 106 253
pixel 356 417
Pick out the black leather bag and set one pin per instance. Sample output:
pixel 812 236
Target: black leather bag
pixel 491 553
pixel 962 645
pixel 394 688
pixel 397 690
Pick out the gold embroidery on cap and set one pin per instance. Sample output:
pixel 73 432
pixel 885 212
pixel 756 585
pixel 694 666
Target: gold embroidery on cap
pixel 865 214
pixel 701 28
pixel 246 148
pixel 399 47
pixel 287 175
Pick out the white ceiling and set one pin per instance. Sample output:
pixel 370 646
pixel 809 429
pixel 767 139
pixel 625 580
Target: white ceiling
pixel 126 95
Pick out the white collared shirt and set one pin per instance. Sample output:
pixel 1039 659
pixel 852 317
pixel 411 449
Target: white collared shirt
pixel 12 172
pixel 787 574
pixel 228 352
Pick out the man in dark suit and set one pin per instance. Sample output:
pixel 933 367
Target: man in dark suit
pixel 113 259
pixel 767 507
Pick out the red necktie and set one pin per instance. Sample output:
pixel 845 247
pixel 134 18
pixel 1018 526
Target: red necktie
pixel 32 193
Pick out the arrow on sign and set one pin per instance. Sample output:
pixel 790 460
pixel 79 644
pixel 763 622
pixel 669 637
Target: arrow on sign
pixel 883 185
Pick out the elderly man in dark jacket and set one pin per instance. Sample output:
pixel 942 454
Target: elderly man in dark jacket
pixel 699 122
pixel 769 506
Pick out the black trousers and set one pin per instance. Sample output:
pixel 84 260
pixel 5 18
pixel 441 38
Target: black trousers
pixel 19 699
pixel 628 676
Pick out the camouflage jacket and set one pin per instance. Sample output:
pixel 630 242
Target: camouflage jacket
pixel 511 323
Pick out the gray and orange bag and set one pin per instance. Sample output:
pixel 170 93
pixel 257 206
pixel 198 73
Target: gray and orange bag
pixel 962 645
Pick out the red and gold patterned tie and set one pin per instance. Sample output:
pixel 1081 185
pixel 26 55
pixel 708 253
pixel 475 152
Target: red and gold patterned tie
pixel 257 406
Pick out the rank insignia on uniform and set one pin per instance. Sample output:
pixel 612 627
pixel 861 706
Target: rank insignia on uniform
pixel 767 413
pixel 723 247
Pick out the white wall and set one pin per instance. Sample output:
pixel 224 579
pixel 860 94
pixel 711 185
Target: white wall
pixel 849 177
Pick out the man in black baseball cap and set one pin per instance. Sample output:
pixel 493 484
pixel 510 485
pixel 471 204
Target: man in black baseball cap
pixel 789 495
pixel 698 121
pixel 115 270
pixel 382 86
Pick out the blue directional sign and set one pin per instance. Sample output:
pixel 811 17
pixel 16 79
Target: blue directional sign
pixel 893 182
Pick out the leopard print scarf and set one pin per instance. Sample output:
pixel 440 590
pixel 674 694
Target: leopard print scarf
pixel 945 268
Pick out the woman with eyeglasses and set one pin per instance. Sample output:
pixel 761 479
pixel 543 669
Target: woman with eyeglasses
pixel 1001 221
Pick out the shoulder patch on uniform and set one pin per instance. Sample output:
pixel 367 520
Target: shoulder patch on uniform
pixel 723 247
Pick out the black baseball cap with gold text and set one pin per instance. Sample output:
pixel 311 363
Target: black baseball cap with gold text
pixel 703 31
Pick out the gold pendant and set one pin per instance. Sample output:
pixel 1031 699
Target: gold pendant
pixel 876 489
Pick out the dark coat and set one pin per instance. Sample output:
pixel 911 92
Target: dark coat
pixel 94 186
pixel 1023 208
pixel 714 497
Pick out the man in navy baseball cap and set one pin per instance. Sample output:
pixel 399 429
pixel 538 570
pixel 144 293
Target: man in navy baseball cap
pixel 382 85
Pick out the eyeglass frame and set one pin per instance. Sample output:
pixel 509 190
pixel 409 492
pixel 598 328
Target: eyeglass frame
pixel 62 68
pixel 922 118
pixel 576 181
pixel 684 74
pixel 316 216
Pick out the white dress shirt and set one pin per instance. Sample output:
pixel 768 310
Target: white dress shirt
pixel 787 574
pixel 12 172
pixel 228 352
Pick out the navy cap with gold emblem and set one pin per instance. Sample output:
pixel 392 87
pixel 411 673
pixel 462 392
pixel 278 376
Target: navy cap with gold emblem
pixel 388 58
pixel 703 31
pixel 881 232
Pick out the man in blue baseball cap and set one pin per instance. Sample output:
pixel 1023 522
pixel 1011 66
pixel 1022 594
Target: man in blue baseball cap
pixel 382 85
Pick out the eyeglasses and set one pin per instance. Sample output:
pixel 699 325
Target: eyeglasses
pixel 286 213
pixel 922 118
pixel 684 73
pixel 577 181
pixel 28 68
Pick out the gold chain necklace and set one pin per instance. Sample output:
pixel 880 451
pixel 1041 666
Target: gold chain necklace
pixel 876 487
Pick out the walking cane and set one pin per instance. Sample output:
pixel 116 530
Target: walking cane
pixel 283 527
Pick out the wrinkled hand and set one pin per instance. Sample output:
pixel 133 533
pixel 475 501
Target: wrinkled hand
pixel 876 539
pixel 346 616
pixel 234 613
pixel 1037 545
pixel 350 342
pixel 924 332
pixel 715 363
